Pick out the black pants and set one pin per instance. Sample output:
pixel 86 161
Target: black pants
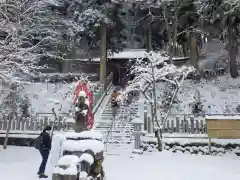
pixel 44 153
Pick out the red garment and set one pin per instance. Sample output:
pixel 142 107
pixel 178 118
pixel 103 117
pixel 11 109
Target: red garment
pixel 84 87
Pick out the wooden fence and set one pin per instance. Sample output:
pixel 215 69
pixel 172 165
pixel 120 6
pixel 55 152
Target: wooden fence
pixel 32 124
pixel 36 124
pixel 179 123
pixel 193 126
pixel 188 123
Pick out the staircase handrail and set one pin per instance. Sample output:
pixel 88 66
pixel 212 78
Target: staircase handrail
pixel 102 93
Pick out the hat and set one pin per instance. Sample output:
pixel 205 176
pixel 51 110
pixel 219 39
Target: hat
pixel 82 94
pixel 47 128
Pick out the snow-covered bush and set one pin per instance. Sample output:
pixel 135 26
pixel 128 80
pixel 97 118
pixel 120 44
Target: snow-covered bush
pixel 238 108
pixel 192 147
pixel 197 106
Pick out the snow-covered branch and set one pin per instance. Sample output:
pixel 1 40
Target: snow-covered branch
pixel 144 75
pixel 15 17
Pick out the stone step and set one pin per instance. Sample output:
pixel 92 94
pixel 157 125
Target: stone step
pixel 118 139
pixel 117 142
pixel 115 132
pixel 119 128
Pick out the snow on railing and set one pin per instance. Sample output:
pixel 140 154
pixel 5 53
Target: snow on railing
pixel 97 96
pixel 122 113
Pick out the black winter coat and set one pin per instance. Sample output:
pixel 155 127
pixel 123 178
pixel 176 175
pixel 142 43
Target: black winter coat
pixel 46 141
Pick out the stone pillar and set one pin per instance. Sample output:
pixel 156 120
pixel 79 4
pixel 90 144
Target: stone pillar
pixel 103 52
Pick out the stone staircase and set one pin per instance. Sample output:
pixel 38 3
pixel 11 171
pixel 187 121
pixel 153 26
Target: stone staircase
pixel 118 131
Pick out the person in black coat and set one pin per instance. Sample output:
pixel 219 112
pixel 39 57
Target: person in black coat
pixel 45 148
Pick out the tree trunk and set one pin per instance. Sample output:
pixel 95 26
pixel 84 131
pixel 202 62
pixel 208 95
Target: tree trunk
pixel 175 28
pixel 232 49
pixel 193 49
pixel 8 131
pixel 149 38
pixel 13 109
pixel 158 132
pixel 168 31
pixel 103 52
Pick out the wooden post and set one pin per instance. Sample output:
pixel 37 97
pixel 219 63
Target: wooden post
pixel 145 116
pixel 149 125
pixel 66 67
pixel 197 126
pixel 209 146
pixel 193 49
pixel 172 128
pixel 182 125
pixel 232 49
pixel 186 126
pixel 1 123
pixel 192 124
pixel 149 44
pixel 103 52
pixel 177 124
pixel 167 126
pixel 201 127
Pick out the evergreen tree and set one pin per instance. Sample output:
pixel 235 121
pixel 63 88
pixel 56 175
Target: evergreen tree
pixel 75 25
pixel 224 17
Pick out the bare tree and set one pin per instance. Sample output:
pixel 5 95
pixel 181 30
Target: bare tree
pixel 15 18
pixel 150 72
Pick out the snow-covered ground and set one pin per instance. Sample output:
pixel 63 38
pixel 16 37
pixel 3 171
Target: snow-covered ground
pixel 21 163
pixel 45 96
pixel 218 96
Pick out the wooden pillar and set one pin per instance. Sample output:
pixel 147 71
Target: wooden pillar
pixel 232 49
pixel 66 66
pixel 103 52
pixel 149 38
pixel 193 49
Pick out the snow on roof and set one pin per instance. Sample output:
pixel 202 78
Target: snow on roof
pixel 86 157
pixel 132 54
pixel 83 145
pixel 85 134
pixel 68 160
pixel 138 53
pixel 233 117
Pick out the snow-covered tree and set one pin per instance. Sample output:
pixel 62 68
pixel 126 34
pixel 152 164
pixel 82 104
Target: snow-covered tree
pixel 16 59
pixel 75 25
pixel 147 73
pixel 15 15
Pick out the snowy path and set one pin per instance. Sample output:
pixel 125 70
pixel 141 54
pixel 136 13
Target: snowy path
pixel 19 163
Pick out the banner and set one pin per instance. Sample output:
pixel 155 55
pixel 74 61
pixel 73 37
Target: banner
pixel 84 87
